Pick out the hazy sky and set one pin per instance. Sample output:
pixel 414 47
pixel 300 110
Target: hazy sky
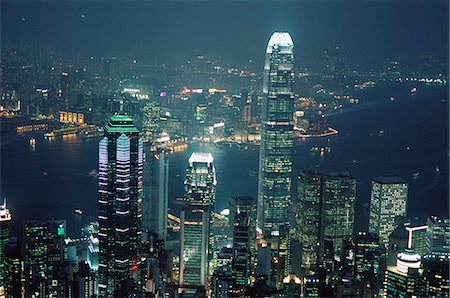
pixel 234 30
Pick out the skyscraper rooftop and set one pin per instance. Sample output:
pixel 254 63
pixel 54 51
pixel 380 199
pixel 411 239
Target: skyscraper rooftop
pixel 121 123
pixel 201 157
pixel 280 38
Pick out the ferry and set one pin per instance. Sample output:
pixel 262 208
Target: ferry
pixel 50 135
pixel 79 211
pixel 326 149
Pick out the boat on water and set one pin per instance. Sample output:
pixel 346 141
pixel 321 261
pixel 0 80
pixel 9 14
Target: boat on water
pixel 437 170
pixel 79 211
pixel 416 175
pixel 93 173
pixel 413 90
pixel 392 98
pixel 326 149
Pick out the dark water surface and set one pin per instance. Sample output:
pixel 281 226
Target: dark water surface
pixel 53 180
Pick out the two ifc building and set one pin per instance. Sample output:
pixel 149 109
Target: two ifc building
pixel 277 134
pixel 120 198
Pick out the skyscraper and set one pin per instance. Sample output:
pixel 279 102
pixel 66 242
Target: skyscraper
pixel 120 196
pixel 43 254
pixel 156 192
pixel 403 280
pixel 438 236
pixel 5 218
pixel 195 219
pixel 275 162
pixel 338 199
pixel 194 233
pixel 325 215
pixel 242 243
pixel 200 182
pixel 308 219
pixel 247 205
pixel 368 255
pixel 388 202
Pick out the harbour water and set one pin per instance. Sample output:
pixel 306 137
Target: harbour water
pixel 407 136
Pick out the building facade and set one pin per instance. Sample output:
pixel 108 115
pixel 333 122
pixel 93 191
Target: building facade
pixel 5 219
pixel 200 182
pixel 43 255
pixel 194 234
pixel 275 162
pixel 389 197
pixel 156 192
pixel 120 199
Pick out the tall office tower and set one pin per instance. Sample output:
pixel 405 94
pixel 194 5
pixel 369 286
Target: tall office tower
pixel 120 198
pixel 388 202
pixel 436 276
pixel 418 231
pixel 13 270
pixel 275 161
pixel 369 253
pixel 43 256
pixel 338 199
pixel 308 215
pixel 156 192
pixel 90 232
pixel 403 280
pixel 200 183
pixel 242 242
pixel 283 254
pixel 247 205
pixel 151 120
pixel 194 233
pixel 5 219
pixel 438 236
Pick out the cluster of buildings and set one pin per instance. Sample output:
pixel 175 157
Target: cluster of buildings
pixel 275 245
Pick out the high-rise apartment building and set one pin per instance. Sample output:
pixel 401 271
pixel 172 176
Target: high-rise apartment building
pixel 389 198
pixel 275 162
pixel 120 198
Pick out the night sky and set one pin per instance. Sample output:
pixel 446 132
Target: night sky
pixel 234 31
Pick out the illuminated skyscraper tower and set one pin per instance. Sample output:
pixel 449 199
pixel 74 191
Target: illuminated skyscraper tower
pixel 275 160
pixel 195 220
pixel 5 218
pixel 200 183
pixel 120 196
pixel 388 202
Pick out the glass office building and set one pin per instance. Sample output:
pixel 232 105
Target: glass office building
pixel 275 162
pixel 120 198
